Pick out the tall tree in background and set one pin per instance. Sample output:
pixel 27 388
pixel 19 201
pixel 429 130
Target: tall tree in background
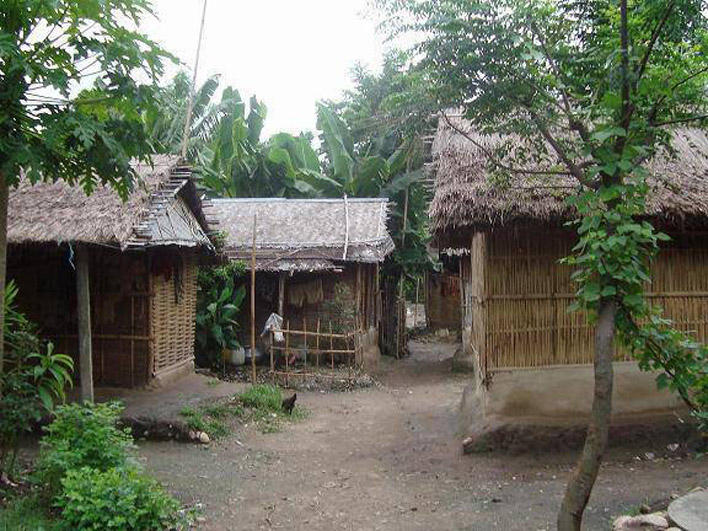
pixel 596 87
pixel 50 129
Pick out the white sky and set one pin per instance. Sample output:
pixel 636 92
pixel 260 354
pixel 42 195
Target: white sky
pixel 289 53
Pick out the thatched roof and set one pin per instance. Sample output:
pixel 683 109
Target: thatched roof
pixel 304 234
pixel 163 209
pixel 465 198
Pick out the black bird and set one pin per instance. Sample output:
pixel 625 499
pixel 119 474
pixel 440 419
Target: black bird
pixel 289 403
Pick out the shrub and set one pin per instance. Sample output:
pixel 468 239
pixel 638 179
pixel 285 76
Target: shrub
pixel 218 305
pixel 82 435
pixel 116 498
pixel 32 382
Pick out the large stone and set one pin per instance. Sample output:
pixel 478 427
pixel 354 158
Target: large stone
pixel 690 512
pixel 203 437
pixel 644 522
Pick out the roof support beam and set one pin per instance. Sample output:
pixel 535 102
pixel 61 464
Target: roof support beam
pixel 281 293
pixel 83 299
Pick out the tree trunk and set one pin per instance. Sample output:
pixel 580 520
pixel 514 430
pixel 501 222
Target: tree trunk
pixel 84 313
pixel 4 192
pixel 581 482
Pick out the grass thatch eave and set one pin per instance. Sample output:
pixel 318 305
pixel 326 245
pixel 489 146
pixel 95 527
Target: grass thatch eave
pixel 466 200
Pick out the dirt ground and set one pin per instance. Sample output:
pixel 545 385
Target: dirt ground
pixel 389 457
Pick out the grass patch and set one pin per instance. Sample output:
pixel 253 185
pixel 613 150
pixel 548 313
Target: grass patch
pixel 211 419
pixel 262 405
pixel 25 513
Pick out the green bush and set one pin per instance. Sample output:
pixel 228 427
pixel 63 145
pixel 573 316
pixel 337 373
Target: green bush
pixel 32 381
pixel 218 305
pixel 116 498
pixel 82 435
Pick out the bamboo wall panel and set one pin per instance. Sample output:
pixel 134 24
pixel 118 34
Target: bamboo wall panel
pixel 119 306
pixel 173 310
pixel 527 294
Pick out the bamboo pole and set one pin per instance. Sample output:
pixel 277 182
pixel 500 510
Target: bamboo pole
pixel 331 344
pixel 281 294
pixel 270 349
pixel 415 309
pixel 190 103
pixel 287 351
pixel 253 304
pixel 400 329
pixel 132 342
pixel 304 326
pixel 83 298
pixel 317 343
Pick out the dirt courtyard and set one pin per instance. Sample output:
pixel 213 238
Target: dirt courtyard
pixel 389 458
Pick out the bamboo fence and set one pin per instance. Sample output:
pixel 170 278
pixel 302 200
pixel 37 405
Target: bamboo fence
pixel 314 348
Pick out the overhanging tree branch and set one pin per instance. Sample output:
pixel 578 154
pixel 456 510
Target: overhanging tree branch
pixel 652 41
pixel 494 159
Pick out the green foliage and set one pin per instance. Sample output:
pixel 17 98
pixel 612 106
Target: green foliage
pixel 218 305
pixel 70 93
pixel 82 435
pixel 372 140
pixel 224 143
pixel 165 121
pixel 25 513
pixel 32 382
pixel 85 468
pixel 116 498
pixel 590 92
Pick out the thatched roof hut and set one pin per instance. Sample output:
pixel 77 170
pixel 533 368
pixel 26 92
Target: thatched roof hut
pixel 161 210
pixel 467 197
pixel 317 260
pixel 305 234
pixel 141 256
pixel 516 325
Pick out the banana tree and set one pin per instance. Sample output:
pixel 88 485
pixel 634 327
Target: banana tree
pixel 238 164
pixel 384 165
pixel 165 122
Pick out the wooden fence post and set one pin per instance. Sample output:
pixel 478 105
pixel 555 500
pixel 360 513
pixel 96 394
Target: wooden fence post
pixel 253 305
pixel 83 300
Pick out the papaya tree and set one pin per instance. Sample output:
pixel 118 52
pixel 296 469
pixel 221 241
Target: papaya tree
pixel 596 87
pixel 70 95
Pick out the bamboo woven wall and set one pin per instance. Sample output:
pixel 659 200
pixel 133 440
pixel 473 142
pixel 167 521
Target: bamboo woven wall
pixel 119 307
pixel 527 292
pixel 173 310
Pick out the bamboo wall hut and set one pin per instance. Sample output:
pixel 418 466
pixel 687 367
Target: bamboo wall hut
pixel 532 357
pixel 142 257
pixel 317 260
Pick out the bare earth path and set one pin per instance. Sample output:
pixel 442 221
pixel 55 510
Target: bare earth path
pixel 389 458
